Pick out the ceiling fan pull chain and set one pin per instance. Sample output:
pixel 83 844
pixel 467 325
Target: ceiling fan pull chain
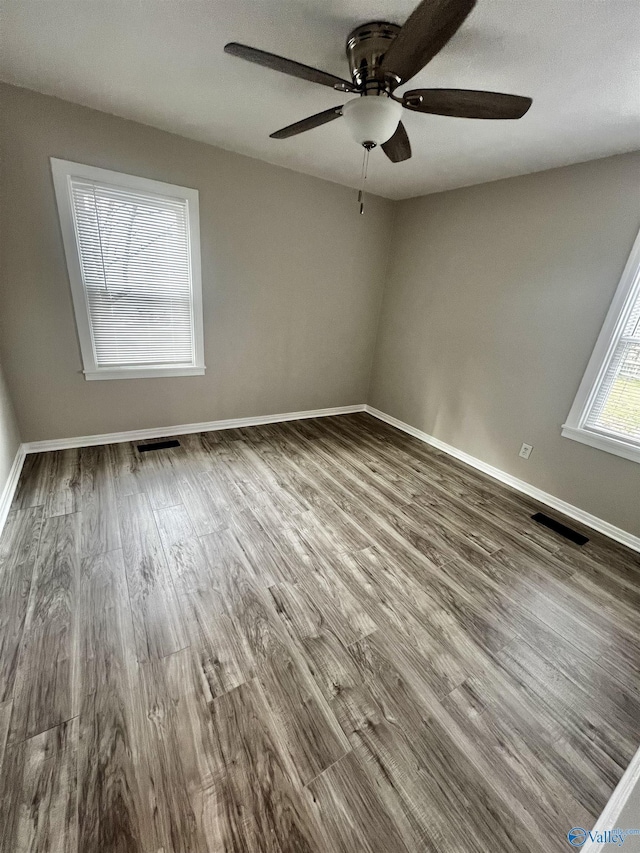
pixel 361 180
pixel 363 177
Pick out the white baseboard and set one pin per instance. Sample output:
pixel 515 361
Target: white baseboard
pixel 183 429
pixel 9 490
pixel 565 508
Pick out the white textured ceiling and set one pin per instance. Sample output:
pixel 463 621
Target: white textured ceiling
pixel 161 62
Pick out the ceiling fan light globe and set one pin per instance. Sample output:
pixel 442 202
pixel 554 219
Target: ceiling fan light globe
pixel 372 118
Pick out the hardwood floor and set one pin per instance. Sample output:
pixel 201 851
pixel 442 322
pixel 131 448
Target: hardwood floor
pixel 315 636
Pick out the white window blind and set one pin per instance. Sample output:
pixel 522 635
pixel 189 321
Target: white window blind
pixel 616 405
pixel 133 250
pixel 606 411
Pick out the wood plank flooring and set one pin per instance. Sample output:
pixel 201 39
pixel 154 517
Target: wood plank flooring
pixel 320 636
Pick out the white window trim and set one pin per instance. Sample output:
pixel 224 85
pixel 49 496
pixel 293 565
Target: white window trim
pixel 615 321
pixel 63 171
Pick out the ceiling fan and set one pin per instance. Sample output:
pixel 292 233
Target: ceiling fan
pixel 383 56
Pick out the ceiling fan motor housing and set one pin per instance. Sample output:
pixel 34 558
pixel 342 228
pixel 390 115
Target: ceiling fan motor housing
pixel 366 45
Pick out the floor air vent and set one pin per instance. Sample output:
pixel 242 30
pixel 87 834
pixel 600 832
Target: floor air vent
pixel 158 445
pixel 562 529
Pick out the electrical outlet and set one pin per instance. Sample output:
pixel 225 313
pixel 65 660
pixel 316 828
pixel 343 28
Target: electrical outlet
pixel 525 451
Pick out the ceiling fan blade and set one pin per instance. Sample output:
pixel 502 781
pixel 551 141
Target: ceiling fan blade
pixel 307 123
pixel 425 33
pixel 288 66
pixel 398 148
pixel 466 103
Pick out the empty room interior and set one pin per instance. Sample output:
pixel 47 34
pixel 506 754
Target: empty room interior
pixel 319 426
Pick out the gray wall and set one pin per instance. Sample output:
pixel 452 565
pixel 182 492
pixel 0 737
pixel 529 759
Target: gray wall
pixel 494 300
pixel 292 279
pixel 9 435
pixel 495 295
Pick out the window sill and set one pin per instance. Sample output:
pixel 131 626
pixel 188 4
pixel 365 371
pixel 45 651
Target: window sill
pixel 603 442
pixel 142 372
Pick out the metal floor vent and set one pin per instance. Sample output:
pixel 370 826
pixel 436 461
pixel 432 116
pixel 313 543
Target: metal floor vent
pixel 562 529
pixel 158 445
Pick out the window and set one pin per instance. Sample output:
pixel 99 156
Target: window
pixel 606 411
pixel 133 254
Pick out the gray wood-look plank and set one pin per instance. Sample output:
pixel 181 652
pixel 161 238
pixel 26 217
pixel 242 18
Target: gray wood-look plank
pixel 18 549
pixel 115 787
pixel 50 480
pixel 319 636
pixel 167 685
pixel 312 734
pixel 62 494
pixel 254 770
pixel 359 809
pixel 157 617
pixel 100 527
pixel 34 478
pixel 38 793
pixel 5 719
pixel 46 688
